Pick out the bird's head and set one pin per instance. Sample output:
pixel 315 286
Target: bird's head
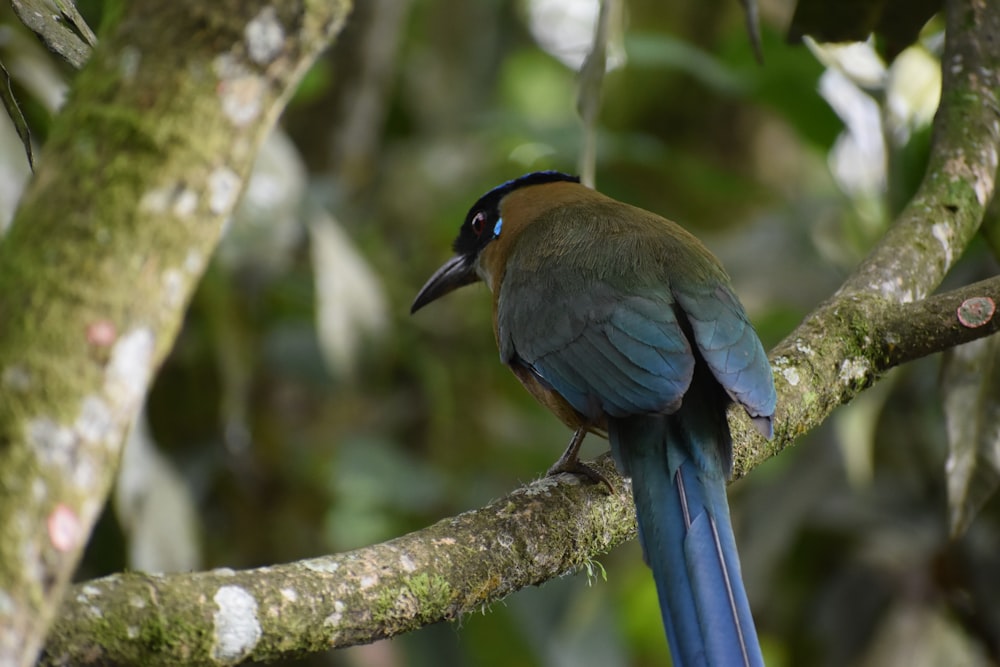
pixel 483 224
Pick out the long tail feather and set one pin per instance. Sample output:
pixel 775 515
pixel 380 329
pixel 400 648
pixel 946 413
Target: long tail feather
pixel 688 542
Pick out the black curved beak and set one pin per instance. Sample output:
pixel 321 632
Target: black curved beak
pixel 455 273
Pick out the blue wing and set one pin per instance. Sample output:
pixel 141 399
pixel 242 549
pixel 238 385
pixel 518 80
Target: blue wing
pixel 730 346
pixel 619 354
pixel 605 352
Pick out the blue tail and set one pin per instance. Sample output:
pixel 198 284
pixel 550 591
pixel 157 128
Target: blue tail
pixel 679 464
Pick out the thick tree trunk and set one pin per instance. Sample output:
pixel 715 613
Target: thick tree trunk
pixel 141 169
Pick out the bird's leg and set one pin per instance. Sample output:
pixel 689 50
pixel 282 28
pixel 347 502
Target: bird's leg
pixel 570 462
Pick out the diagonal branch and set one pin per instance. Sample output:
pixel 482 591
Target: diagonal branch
pixel 934 228
pixel 140 171
pixel 881 317
pixel 53 31
pixel 824 362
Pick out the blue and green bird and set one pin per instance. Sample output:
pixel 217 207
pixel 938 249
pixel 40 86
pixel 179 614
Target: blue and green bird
pixel 622 323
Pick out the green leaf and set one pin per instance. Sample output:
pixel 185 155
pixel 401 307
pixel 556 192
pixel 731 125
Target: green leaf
pixel 971 387
pixel 656 50
pixel 752 15
pixel 16 115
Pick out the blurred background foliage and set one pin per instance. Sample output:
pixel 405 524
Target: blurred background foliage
pixel 303 411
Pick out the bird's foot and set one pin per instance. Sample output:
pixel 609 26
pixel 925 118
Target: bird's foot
pixel 571 463
pixel 578 467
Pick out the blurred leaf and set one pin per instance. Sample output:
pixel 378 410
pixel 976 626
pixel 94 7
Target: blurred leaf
pixel 538 87
pixel 786 86
pixel 914 635
pixel 990 229
pixel 913 90
pixel 16 117
pixel 856 425
pixel 639 610
pixel 971 386
pixel 351 306
pixel 568 624
pixel 897 22
pixel 570 30
pixel 857 159
pixel 231 338
pixel 265 227
pixel 753 27
pixel 649 49
pixel 372 482
pixel 155 509
pixel 314 84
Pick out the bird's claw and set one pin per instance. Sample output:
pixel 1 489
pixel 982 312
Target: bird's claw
pixel 575 466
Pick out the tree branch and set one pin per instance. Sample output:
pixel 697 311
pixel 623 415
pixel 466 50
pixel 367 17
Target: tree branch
pixel 141 169
pixel 937 224
pixel 939 322
pixel 55 33
pixel 878 319
pixel 455 567
pixel 835 352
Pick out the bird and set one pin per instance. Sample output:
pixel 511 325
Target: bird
pixel 623 324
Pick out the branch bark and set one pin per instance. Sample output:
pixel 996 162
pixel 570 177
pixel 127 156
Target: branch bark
pixel 140 171
pixel 880 317
pixel 835 352
pixel 55 33
pixel 455 567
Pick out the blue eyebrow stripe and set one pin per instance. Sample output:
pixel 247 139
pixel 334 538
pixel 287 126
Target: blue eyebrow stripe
pixel 496 227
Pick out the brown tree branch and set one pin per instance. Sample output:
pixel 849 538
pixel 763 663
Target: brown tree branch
pixel 880 318
pixel 140 170
pixel 939 322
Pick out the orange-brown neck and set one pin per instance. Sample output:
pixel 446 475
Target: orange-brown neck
pixel 520 209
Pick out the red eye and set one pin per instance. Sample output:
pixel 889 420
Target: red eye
pixel 478 223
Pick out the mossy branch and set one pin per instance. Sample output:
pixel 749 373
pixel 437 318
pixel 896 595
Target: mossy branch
pixel 141 168
pixel 840 349
pixel 457 566
pixel 57 30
